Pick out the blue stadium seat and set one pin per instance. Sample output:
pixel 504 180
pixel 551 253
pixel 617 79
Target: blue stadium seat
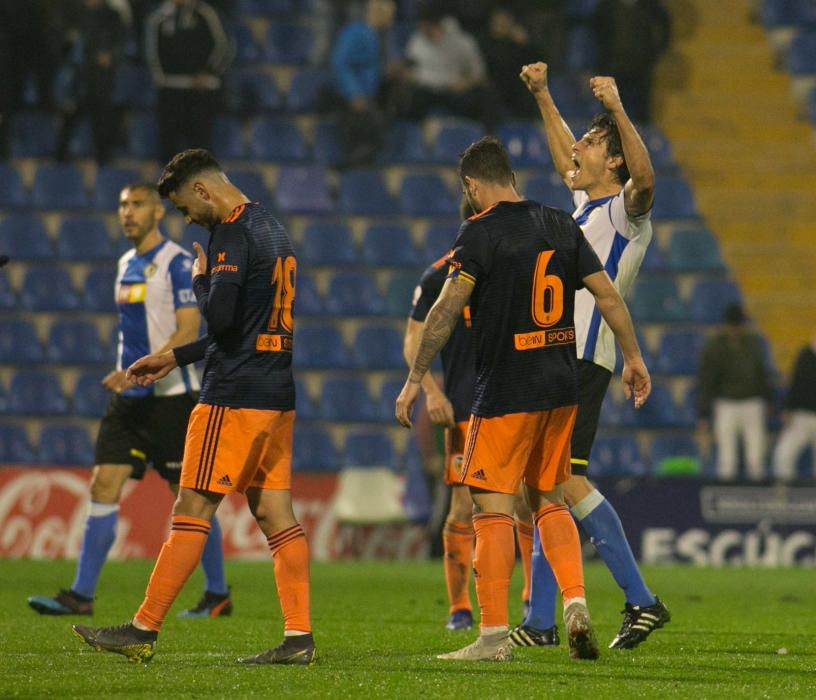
pixel 99 290
pixel 90 397
pixel 314 450
pixel 15 447
pixel 389 391
pixel 668 445
pixel 453 138
pixel 659 147
pixel 378 346
pixel 327 243
pixel 246 49
pixel 228 141
pixel 109 183
pixel 19 343
pixel 193 233
pixel 674 200
pixel 353 294
pixel 389 245
pixel 255 91
pixel 572 97
pixel 327 143
pixel 12 192
pixel 364 192
pixel 308 300
pixel 8 298
pixel 710 297
pixel 74 343
pixel 582 48
pixel 404 143
pixel 346 399
pixel 84 238
pixel 304 404
pixel 36 393
pixel 439 238
pixel 654 260
pixel 303 190
pixel 525 144
pixel 65 444
pixel 802 53
pixel 679 352
pixel 694 250
pixel 252 184
pixel 277 139
pixel 427 195
pixel 659 411
pixel 611 410
pixel 133 87
pixel 550 191
pixel 59 187
pixel 616 455
pixel 34 135
pixel 288 43
pixel 320 347
pixel 48 288
pixel 305 88
pixel 268 7
pixel 399 293
pixel 142 131
pixel 656 299
pixel 369 449
pixel 23 237
pixel 687 410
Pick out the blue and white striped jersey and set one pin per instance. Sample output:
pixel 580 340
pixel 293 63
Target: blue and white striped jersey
pixel 620 242
pixel 149 289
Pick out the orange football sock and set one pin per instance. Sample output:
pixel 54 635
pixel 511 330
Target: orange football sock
pixel 562 547
pixel 457 540
pixel 524 537
pixel 178 559
pixel 493 565
pixel 290 552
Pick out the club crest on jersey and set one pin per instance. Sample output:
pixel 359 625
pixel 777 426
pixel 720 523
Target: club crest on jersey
pixel 150 270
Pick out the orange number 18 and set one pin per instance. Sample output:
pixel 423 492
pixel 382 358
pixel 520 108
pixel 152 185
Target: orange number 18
pixel 283 279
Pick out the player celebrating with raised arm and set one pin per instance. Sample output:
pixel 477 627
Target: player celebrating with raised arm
pixel 610 174
pixel 157 311
pixel 240 433
pixel 518 265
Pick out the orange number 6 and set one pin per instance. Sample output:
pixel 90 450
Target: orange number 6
pixel 548 293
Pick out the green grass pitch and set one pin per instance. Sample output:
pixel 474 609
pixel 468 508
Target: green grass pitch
pixel 735 633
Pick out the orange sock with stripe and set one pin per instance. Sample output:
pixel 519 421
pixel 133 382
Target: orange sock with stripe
pixel 290 552
pixel 493 565
pixel 178 559
pixel 562 547
pixel 457 541
pixel 524 537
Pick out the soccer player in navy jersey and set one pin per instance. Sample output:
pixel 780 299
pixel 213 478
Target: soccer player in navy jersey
pixel 518 264
pixel 240 434
pixel 142 425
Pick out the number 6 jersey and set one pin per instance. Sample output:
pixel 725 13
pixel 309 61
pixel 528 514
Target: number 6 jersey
pixel 526 262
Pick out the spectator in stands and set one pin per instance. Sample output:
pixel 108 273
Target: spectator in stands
pixel 187 52
pixel 97 44
pixel 734 386
pixel 327 17
pixel 800 416
pixel 631 35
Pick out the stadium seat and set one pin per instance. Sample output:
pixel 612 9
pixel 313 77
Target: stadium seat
pixel 109 183
pixel 404 143
pixel 679 352
pixel 59 187
pixel 303 190
pixel 305 88
pixel 277 139
pixel 389 391
pixel 314 450
pixel 550 191
pixel 19 344
pixel 252 184
pixel 369 449
pixel 254 91
pixel 15 447
pixel 453 138
pixel 246 49
pixel 320 347
pixel 694 250
pixel 304 404
pixel 666 447
pixel 710 297
pixel 228 141
pixel 48 288
pixel 34 135
pixel 582 48
pixel 12 192
pixel 399 293
pixel 346 399
pixel 36 393
pixel 90 397
pixel 659 147
pixel 327 143
pixel 353 294
pixel 288 43
pixel 572 97
pixel 525 144
pixel 133 87
pixel 142 131
pixel 389 245
pixel 439 238
pixel 674 200
pixel 8 298
pixel 84 238
pixel 65 444
pixel 74 343
pixel 327 243
pixel 659 411
pixel 266 7
pixel 654 260
pixel 23 237
pixel 611 410
pixel 378 346
pixel 616 455
pixel 657 300
pixel 802 53
pixel 364 192
pixel 308 301
pixel 193 233
pixel 427 195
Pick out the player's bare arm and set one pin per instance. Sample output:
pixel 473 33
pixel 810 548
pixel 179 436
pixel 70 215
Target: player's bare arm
pixel 440 409
pixel 638 192
pixel 636 380
pixel 559 136
pixel 439 324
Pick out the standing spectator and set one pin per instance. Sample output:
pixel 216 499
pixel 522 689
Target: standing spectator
pixel 800 415
pixel 631 35
pixel 97 44
pixel 734 386
pixel 187 52
pixel 327 18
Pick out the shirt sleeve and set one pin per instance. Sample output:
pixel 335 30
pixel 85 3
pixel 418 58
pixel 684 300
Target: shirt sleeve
pixel 427 292
pixel 628 226
pixel 470 257
pixel 182 281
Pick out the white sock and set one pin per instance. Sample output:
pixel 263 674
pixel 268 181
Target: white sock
pixel 572 601
pixel 587 504
pixel 294 633
pixel 496 629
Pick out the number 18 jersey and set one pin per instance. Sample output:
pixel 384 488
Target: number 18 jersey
pixel 526 262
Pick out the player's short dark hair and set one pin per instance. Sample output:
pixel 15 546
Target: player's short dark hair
pixel 487 160
pixel 183 166
pixel 611 136
pixel 143 185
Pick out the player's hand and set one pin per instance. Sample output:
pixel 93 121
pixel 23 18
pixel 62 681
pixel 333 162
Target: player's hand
pixel 636 381
pixel 534 76
pixel 116 381
pixel 440 409
pixel 150 368
pixel 200 263
pixel 605 90
pixel 405 402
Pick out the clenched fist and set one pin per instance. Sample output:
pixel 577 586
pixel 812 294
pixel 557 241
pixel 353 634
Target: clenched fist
pixel 606 92
pixel 534 76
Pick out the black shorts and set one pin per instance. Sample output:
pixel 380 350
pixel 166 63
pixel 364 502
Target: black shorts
pixel 593 381
pixel 146 430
